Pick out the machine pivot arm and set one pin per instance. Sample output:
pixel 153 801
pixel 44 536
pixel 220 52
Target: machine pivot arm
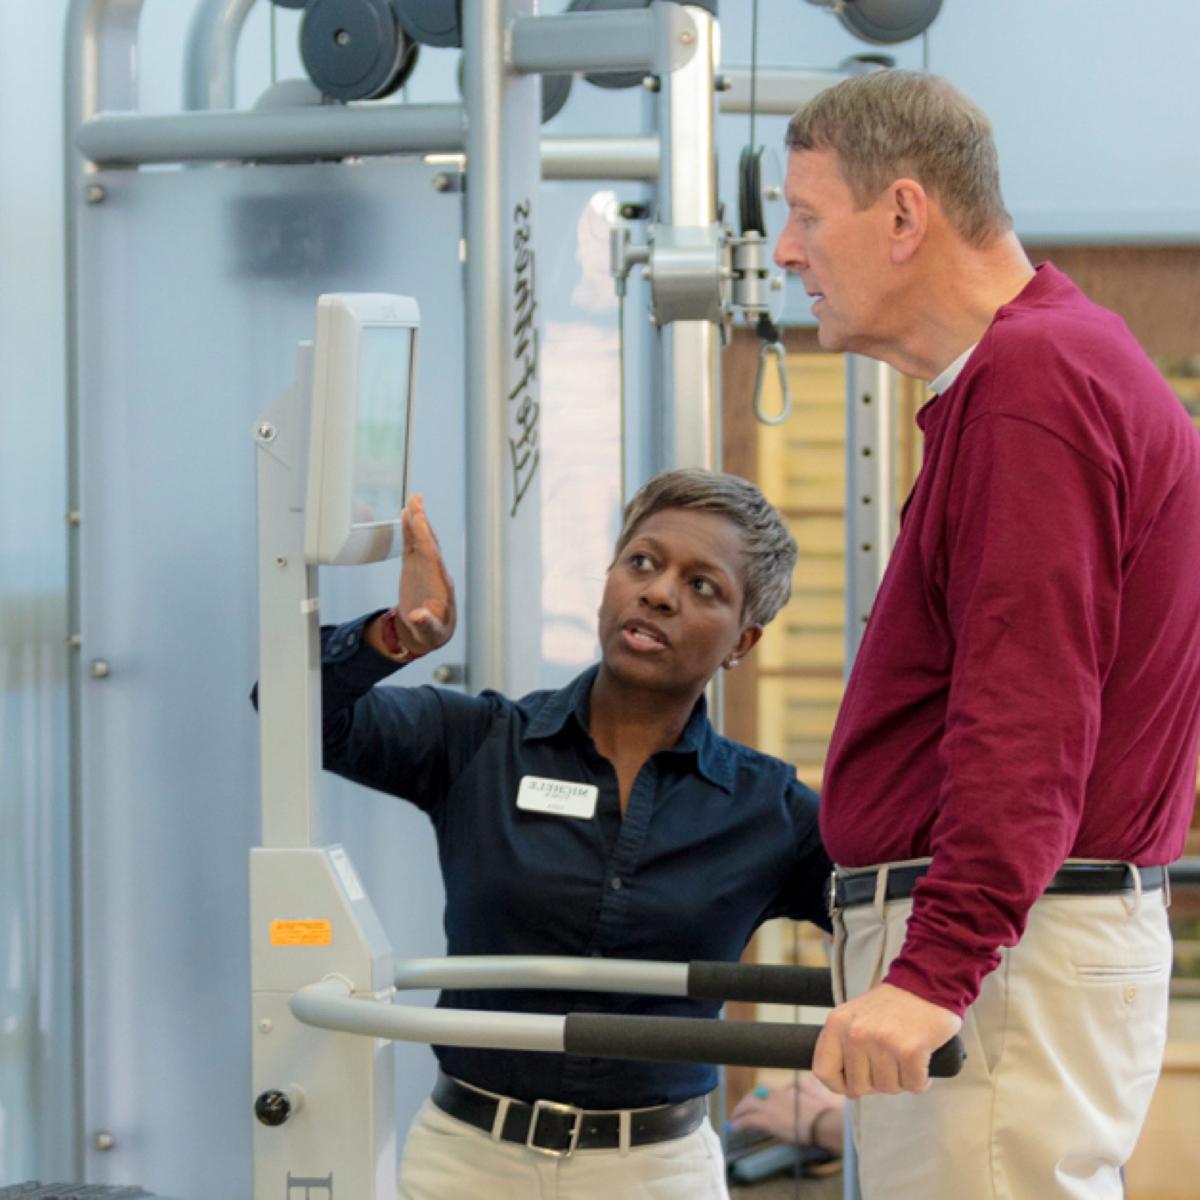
pixel 764 984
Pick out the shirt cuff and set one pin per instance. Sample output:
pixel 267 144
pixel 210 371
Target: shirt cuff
pixel 943 975
pixel 346 651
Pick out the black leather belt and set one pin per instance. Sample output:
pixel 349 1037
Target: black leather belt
pixel 1079 879
pixel 561 1129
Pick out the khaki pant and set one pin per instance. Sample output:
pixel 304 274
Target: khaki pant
pixel 447 1159
pixel 1064 1046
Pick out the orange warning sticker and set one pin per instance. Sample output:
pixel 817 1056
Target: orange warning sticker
pixel 301 933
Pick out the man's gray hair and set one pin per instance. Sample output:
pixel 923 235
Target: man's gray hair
pixel 887 125
pixel 770 548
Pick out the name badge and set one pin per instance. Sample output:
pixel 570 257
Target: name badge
pixel 560 797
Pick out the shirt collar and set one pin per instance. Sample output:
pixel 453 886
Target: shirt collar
pixel 952 372
pixel 710 751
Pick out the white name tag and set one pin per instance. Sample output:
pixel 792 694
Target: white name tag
pixel 558 796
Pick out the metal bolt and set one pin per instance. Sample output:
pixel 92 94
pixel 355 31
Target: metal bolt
pixel 280 561
pixel 342 37
pixel 867 398
pixel 687 37
pixel 441 182
pixel 651 83
pixel 866 547
pixel 265 1025
pixel 774 192
pixel 866 499
pixel 646 273
pixel 722 83
pixel 104 1141
pixel 442 674
pixel 74 517
pixel 74 641
pixel 94 193
pixel 100 668
pixel 777 283
pixel 265 432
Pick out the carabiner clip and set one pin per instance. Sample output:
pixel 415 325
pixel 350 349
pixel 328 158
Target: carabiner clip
pixel 785 411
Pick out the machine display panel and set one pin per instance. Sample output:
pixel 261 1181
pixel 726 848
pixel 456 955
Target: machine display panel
pixel 363 364
pixel 381 427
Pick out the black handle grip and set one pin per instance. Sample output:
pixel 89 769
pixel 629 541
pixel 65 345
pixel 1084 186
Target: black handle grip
pixel 762 984
pixel 690 1039
pixel 695 1039
pixel 947 1061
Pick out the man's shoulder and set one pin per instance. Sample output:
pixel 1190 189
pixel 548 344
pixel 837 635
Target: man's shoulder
pixel 1055 327
pixel 1063 361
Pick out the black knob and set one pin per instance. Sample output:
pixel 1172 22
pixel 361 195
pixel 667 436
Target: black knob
pixel 273 1107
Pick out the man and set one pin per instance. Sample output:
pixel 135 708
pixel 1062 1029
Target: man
pixel 1015 756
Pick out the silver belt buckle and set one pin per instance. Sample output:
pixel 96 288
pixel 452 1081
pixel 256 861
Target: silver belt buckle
pixel 541 1106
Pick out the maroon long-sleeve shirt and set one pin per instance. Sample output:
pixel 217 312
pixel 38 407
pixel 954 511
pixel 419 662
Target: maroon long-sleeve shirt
pixel 1028 685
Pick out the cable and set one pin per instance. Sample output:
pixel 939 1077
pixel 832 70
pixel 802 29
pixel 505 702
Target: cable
pixel 753 69
pixel 796 1171
pixel 621 392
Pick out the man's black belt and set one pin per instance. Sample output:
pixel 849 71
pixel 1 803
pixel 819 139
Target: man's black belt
pixel 1073 879
pixel 561 1129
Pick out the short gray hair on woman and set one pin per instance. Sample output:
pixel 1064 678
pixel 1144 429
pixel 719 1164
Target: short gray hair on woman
pixel 886 125
pixel 770 548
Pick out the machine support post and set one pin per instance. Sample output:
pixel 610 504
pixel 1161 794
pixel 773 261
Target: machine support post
pixel 687 196
pixel 870 488
pixel 289 685
pixel 503 323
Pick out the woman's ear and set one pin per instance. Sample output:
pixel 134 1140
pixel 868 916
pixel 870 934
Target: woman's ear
pixel 746 642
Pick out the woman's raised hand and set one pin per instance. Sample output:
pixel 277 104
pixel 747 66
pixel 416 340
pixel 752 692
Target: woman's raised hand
pixel 425 616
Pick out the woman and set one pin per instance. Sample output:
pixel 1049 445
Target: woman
pixel 678 843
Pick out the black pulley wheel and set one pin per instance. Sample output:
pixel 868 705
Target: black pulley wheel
pixel 555 91
pixel 760 192
pixel 750 205
pixel 431 22
pixel 354 49
pixel 888 21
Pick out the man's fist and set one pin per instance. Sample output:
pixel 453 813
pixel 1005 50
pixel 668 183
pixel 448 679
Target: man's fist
pixel 881 1041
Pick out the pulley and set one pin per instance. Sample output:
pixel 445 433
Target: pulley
pixel 355 49
pixel 883 21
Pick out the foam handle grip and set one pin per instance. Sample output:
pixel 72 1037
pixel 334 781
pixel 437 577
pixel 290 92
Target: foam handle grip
pixel 763 984
pixel 699 1040
pixel 690 1039
pixel 947 1060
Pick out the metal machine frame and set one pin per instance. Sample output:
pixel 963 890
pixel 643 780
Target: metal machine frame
pixel 497 128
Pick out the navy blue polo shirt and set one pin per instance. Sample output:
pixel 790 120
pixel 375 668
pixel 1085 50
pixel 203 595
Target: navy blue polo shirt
pixel 716 839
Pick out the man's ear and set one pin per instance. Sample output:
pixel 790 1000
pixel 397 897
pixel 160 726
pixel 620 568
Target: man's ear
pixel 909 218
